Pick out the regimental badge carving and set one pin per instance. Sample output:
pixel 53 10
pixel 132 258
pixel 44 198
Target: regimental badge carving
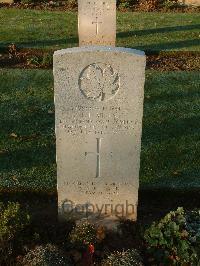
pixel 99 82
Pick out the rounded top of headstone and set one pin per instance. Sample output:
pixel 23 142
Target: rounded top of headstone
pixel 100 49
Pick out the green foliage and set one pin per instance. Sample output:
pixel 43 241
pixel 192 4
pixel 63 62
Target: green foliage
pixel 129 257
pixel 27 1
pixel 44 60
pixel 83 234
pixel 12 221
pixel 72 4
pixel 169 4
pixel 47 59
pixel 31 1
pixel 34 60
pixel 48 255
pixel 126 4
pixel 168 241
pixel 193 227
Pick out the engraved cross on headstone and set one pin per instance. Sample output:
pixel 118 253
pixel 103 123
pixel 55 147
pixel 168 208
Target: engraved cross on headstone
pixel 102 14
pixel 98 156
pixel 97 25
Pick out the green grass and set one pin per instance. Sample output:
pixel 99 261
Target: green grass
pixel 25 99
pixel 55 30
pixel 171 129
pixel 171 143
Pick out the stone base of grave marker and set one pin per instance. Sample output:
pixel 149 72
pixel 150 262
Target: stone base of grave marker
pixel 99 108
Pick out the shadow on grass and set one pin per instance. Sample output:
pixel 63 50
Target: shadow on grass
pixel 175 128
pixel 157 30
pixel 160 46
pixel 167 45
pixel 40 43
pixel 28 158
pixel 153 204
pixel 43 210
pixel 174 96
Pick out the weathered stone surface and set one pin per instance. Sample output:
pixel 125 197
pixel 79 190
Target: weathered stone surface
pixel 97 22
pixel 99 108
pixel 7 1
pixel 190 2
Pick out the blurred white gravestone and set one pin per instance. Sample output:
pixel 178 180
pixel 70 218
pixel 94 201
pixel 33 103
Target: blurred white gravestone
pixel 99 94
pixel 7 1
pixel 97 22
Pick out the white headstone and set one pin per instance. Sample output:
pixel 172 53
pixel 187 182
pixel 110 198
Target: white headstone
pixel 99 107
pixel 7 1
pixel 190 2
pixel 97 22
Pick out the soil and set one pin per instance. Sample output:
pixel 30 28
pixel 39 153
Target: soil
pixel 164 61
pixel 174 61
pixel 64 6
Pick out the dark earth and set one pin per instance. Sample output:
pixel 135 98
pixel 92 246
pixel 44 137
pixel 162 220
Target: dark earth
pixel 13 57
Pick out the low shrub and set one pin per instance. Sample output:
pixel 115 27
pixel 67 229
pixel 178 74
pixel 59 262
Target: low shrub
pixel 149 5
pixel 170 4
pixel 34 61
pixel 169 241
pixel 83 235
pixel 126 4
pixel 12 221
pixel 45 60
pixel 27 1
pixel 72 4
pixel 48 255
pixel 193 227
pixel 129 257
pixel 86 239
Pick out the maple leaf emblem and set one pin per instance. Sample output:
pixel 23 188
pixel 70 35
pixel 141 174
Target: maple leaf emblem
pixel 99 82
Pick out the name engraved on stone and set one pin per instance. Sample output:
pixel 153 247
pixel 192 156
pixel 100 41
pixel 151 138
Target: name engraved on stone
pixel 99 82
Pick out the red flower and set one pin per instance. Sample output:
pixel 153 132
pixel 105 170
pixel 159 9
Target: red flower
pixel 91 248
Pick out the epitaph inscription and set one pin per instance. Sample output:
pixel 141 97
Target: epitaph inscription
pixel 97 22
pixel 99 107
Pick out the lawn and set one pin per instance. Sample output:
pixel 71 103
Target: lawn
pixel 170 142
pixel 55 30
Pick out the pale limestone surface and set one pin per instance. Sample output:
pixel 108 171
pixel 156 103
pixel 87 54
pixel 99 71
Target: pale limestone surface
pixel 99 95
pixel 97 22
pixel 7 1
pixel 190 2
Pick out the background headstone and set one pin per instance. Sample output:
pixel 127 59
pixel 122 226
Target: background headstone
pixel 97 22
pixel 99 108
pixel 190 2
pixel 7 1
